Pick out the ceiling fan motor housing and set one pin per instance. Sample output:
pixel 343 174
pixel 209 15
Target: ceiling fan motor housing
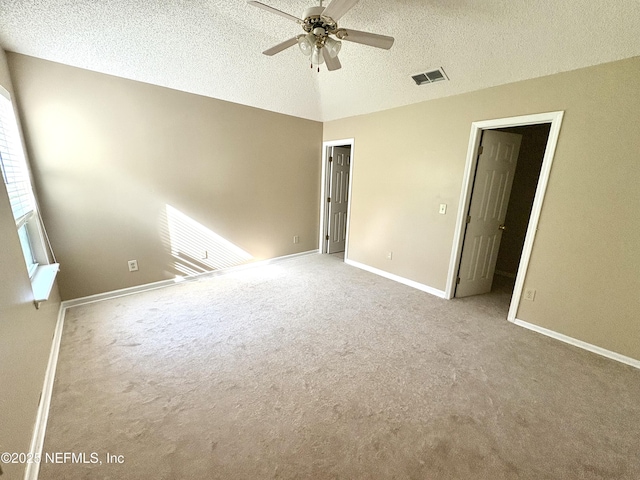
pixel 313 12
pixel 313 21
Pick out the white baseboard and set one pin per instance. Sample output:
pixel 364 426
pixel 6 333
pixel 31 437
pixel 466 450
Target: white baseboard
pixel 397 278
pixel 37 440
pixel 579 343
pixel 174 281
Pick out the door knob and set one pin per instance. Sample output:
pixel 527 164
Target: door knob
pixel 502 227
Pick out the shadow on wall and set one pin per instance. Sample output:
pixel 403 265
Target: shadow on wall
pixel 195 248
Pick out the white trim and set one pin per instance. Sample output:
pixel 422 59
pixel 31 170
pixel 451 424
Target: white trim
pixel 322 245
pixel 98 297
pixel 555 119
pixel 37 440
pixel 579 343
pixel 322 241
pixel 463 208
pixel 167 283
pixel 42 282
pixel 543 180
pixel 397 278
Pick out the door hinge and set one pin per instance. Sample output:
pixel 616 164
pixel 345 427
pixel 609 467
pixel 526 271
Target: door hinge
pixel 458 281
pixel 331 159
pixel 327 237
pixel 328 199
pixel 468 218
pixel 480 150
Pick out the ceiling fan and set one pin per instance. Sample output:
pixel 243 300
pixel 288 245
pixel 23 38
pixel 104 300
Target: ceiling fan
pixel 320 25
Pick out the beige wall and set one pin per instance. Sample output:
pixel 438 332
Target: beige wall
pixel 585 262
pixel 110 154
pixel 25 334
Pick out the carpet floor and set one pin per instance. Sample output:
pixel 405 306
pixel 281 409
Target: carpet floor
pixel 312 369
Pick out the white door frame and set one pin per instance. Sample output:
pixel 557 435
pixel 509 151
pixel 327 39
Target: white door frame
pixel 324 184
pixel 555 119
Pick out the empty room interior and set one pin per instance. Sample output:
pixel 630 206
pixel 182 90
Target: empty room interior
pixel 402 244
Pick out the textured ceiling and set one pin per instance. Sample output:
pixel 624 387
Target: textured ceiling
pixel 213 47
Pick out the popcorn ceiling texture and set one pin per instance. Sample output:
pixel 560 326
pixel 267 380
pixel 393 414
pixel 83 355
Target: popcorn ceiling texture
pixel 213 47
pixel 309 368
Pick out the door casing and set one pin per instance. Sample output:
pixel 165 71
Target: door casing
pixel 555 119
pixel 324 189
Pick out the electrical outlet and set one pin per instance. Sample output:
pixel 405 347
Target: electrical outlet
pixel 296 239
pixel 133 265
pixel 390 255
pixel 443 208
pixel 530 294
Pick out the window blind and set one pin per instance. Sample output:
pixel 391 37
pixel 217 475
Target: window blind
pixel 15 172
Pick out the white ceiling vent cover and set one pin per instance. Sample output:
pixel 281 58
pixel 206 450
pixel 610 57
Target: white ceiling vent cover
pixel 431 76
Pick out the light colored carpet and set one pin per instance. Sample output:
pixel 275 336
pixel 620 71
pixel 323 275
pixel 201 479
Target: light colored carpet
pixel 311 369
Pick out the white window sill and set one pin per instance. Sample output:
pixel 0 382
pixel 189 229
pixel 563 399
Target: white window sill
pixel 42 282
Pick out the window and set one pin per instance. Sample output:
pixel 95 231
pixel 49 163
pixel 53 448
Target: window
pixel 15 175
pixel 27 251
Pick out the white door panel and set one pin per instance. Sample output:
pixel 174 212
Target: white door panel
pixel 487 211
pixel 339 192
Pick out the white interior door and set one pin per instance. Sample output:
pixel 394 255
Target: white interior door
pixel 340 161
pixel 487 211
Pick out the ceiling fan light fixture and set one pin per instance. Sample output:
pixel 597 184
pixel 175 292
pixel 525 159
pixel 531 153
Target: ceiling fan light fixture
pixel 316 57
pixel 306 43
pixel 332 46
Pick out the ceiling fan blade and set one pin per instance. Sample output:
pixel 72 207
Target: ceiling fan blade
pixel 332 62
pixel 274 10
pixel 365 38
pixel 281 46
pixel 337 8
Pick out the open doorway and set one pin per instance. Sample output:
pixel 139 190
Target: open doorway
pixel 337 165
pixel 508 166
pixel 507 172
pixel 523 191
